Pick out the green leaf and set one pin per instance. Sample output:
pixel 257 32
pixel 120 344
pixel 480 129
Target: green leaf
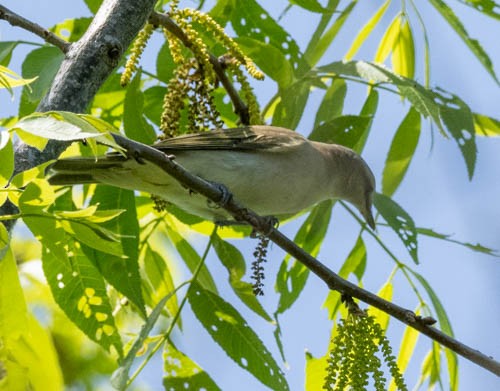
pixel 403 51
pixel 446 328
pixel 10 79
pixel 159 281
pixel 62 126
pixel 93 5
pixel 310 5
pixel 121 272
pixel 333 102
pixel 134 124
pixel 474 46
pixel 234 262
pixel 486 126
pixel 6 49
pixel 345 130
pixel 290 108
pixel 386 293
pixel 80 291
pixel 180 372
pixel 269 59
pixel 249 19
pixel 71 30
pixel 354 263
pixel 292 277
pixel 120 375
pixel 457 117
pixel 24 340
pixel 487 7
pixel 165 64
pixel 153 103
pixel 366 30
pixel 388 40
pixel 474 247
pixel 44 64
pixel 406 350
pixel 7 159
pixel 399 221
pixel 321 41
pixel 192 259
pixel 401 152
pixel 232 333
pixel 368 110
pixel 77 286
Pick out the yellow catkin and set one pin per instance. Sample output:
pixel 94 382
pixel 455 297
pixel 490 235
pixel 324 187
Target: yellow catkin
pixel 135 53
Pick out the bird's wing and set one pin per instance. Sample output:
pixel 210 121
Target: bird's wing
pixel 236 139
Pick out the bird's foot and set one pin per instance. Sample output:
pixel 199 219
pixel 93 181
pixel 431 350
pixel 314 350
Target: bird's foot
pixel 225 196
pixel 270 223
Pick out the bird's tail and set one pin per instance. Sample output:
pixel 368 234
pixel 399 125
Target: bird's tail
pixel 80 170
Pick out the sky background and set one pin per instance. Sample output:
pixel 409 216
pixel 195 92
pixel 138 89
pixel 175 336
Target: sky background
pixel 436 193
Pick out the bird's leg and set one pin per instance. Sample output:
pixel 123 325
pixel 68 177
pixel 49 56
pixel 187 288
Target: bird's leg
pixel 270 222
pixel 225 196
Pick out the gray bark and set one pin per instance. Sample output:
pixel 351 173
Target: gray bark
pixel 86 66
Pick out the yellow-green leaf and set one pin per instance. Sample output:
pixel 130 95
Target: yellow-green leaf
pixel 406 350
pixel 381 317
pixel 486 126
pixel 401 152
pixel 388 40
pixel 365 32
pixel 403 52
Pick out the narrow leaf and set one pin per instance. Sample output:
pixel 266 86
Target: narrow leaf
pixel 333 102
pixel 228 328
pixel 486 126
pixel 366 30
pixel 403 53
pixel 401 152
pixel 474 46
pixel 7 159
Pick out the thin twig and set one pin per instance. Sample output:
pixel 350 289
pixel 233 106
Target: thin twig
pixel 17 20
pixel 332 280
pixel 240 108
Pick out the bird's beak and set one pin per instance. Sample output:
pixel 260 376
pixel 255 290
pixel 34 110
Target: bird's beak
pixel 367 214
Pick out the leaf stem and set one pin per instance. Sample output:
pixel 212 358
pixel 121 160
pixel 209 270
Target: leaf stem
pixel 166 336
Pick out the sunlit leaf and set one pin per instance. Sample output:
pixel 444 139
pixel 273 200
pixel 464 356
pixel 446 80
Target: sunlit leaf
pixel 403 52
pixel 401 152
pixel 386 293
pixel 180 372
pixel 486 126
pixel 7 159
pixel 120 376
pixel 366 30
pixel 388 40
pixel 228 328
pixel 406 350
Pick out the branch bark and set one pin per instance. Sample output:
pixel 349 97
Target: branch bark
pixel 48 36
pixel 331 279
pixel 87 64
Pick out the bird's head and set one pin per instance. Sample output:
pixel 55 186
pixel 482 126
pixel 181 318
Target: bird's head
pixel 357 185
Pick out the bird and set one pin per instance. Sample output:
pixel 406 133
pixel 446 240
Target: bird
pixel 271 170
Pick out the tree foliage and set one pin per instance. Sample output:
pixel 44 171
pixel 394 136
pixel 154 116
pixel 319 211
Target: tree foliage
pixel 116 260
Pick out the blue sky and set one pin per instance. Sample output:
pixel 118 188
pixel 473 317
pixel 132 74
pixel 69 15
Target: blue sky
pixel 436 192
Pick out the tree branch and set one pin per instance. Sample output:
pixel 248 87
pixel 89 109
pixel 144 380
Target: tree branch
pixel 240 108
pixel 332 280
pixel 87 64
pixel 17 20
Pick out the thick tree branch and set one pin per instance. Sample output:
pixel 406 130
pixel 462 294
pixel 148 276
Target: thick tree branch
pixel 332 280
pixel 17 20
pixel 87 64
pixel 240 108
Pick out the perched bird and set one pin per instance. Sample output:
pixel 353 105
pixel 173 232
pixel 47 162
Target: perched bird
pixel 271 170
